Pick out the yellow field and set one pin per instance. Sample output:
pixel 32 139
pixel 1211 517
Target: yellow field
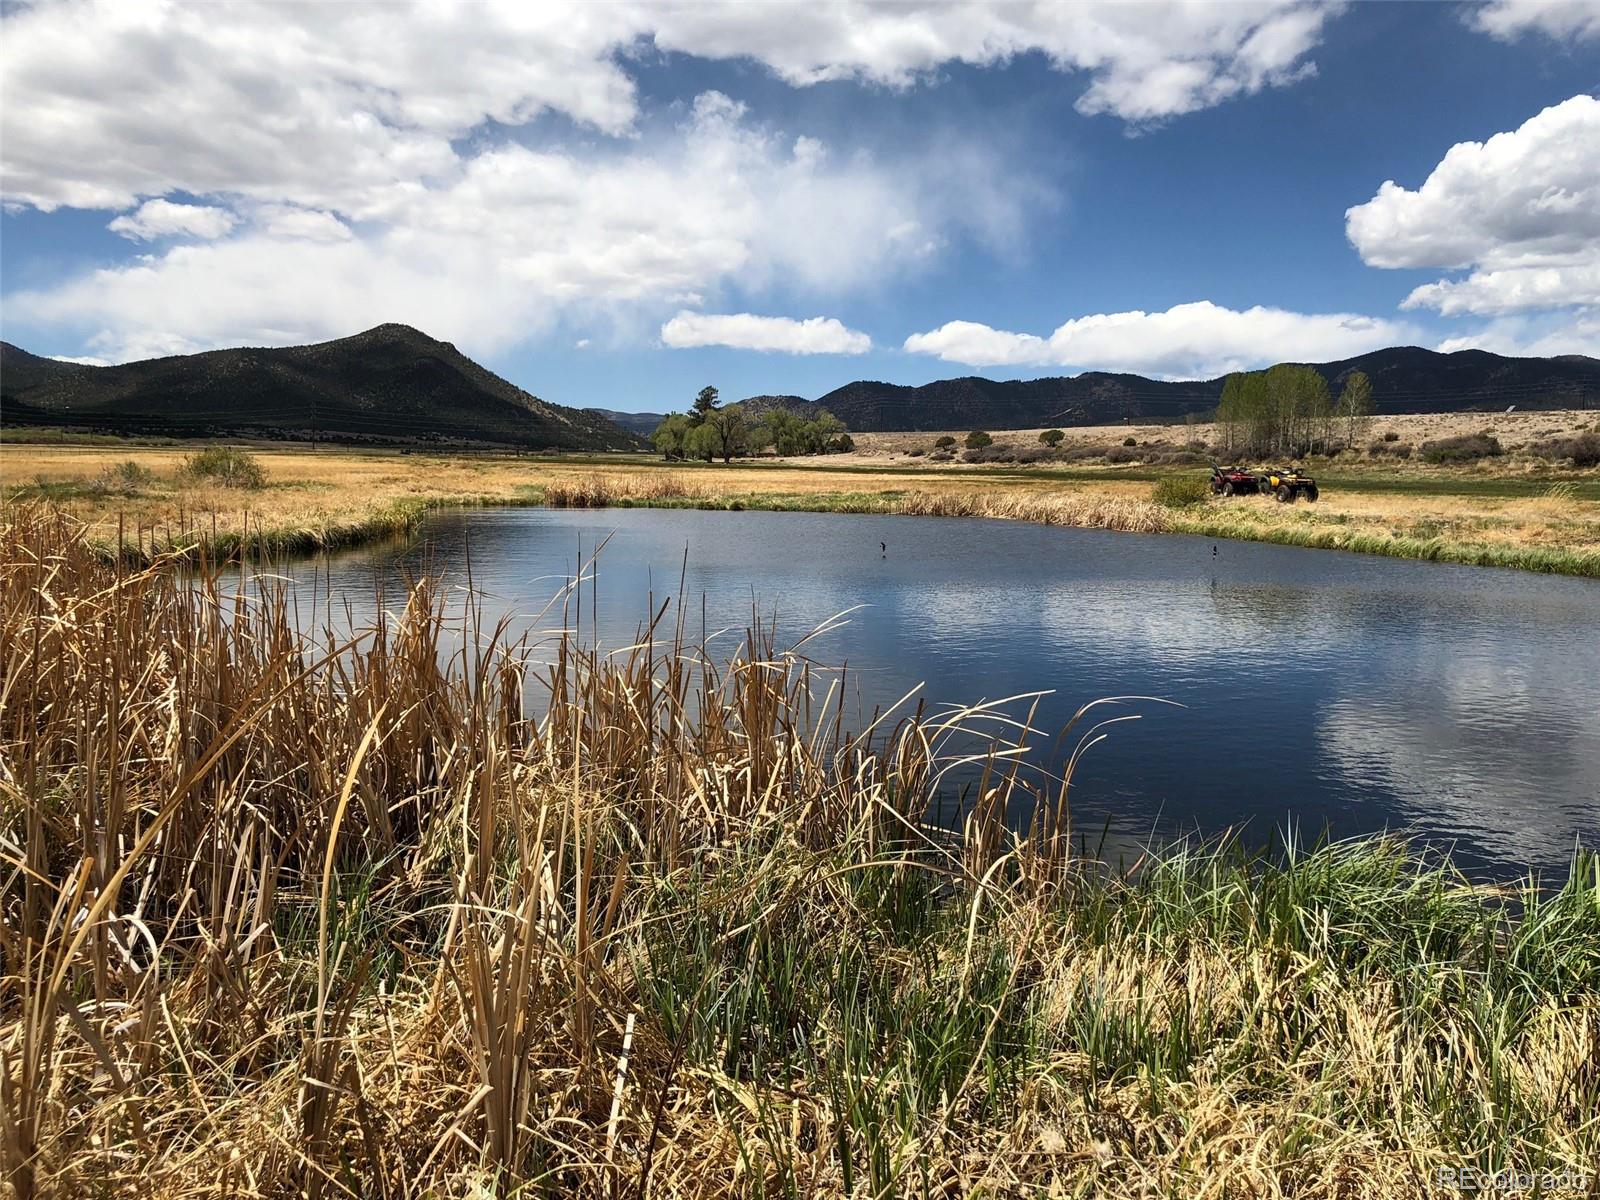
pixel 333 497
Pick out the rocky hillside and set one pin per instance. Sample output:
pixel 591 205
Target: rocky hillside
pixel 389 385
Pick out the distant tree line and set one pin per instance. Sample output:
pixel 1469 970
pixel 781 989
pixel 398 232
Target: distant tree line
pixel 1287 410
pixel 709 431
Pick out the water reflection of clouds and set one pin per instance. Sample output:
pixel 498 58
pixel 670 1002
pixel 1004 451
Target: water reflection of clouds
pixel 1441 732
pixel 967 615
pixel 1352 690
pixel 1188 621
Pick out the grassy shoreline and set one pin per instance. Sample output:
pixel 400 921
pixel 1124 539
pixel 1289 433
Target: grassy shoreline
pixel 280 923
pixel 1124 519
pixel 403 519
pixel 337 500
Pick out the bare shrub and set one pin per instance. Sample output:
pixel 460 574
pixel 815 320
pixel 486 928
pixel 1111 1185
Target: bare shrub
pixel 1468 447
pixel 1583 450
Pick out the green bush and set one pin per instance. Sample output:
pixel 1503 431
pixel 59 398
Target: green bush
pixel 1180 491
pixel 1390 435
pixel 1052 437
pixel 225 466
pixel 1469 447
pixel 1130 441
pixel 945 442
pixel 978 439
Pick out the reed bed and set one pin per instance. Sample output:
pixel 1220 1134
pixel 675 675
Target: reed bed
pixel 285 916
pixel 599 490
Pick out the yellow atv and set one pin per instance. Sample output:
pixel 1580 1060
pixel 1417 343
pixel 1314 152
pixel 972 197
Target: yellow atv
pixel 1288 485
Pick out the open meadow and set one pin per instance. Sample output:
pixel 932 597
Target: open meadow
pixel 1516 512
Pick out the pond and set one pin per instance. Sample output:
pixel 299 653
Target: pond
pixel 1319 690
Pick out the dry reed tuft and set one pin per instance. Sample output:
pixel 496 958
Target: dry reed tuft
pixel 283 917
pixel 596 490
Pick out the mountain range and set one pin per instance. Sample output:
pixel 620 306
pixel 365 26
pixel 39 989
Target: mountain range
pixel 395 385
pixel 1404 379
pixel 389 385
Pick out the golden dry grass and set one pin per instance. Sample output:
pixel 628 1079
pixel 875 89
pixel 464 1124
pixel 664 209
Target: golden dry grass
pixel 285 919
pixel 335 497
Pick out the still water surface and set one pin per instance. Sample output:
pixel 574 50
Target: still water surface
pixel 1320 690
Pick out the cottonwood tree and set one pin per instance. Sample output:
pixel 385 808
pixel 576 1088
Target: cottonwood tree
pixel 791 434
pixel 1355 405
pixel 722 434
pixel 672 436
pixel 1282 410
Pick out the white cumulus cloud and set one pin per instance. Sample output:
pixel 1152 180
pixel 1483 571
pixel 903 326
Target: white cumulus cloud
pixel 390 154
pixel 1514 289
pixel 1144 61
pixel 1536 335
pixel 162 218
pixel 1199 340
pixel 1510 19
pixel 305 224
pixel 745 331
pixel 334 105
pixel 324 105
pixel 518 238
pixel 1520 210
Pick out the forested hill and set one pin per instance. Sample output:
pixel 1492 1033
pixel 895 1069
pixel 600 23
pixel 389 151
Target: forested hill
pixel 1404 379
pixel 641 423
pixel 389 385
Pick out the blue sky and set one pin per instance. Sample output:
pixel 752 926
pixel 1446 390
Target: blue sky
pixel 615 204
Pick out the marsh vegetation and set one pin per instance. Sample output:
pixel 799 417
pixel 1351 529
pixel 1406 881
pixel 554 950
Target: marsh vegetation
pixel 286 917
pixel 1533 514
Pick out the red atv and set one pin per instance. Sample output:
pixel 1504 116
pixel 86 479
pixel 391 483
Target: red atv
pixel 1234 481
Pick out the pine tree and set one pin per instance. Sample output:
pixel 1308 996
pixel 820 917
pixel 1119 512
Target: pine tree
pixel 704 405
